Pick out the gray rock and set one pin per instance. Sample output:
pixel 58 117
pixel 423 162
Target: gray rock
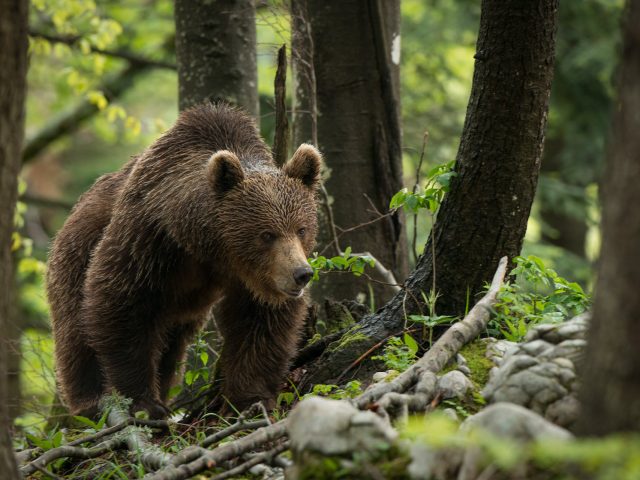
pixel 511 365
pixel 464 369
pixel 571 349
pixel 534 347
pixel 335 427
pixel 541 372
pixel 516 422
pixel 573 331
pixel 508 421
pixel 379 376
pixel 454 384
pixel 497 349
pixel 564 411
pixel 507 393
pixel 539 331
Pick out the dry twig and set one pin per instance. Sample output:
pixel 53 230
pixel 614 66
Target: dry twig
pixel 210 458
pixel 263 457
pixel 73 449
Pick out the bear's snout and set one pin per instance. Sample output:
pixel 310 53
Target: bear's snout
pixel 302 275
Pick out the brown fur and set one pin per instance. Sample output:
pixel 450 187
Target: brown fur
pixel 203 216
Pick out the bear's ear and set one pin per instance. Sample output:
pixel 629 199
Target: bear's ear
pixel 305 165
pixel 224 171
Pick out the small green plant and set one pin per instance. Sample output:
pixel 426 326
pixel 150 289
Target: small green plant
pixel 350 390
pixel 199 370
pixel 285 399
pixel 539 295
pixel 95 426
pixel 399 353
pixel 53 439
pixel 345 262
pixel 431 196
pixel 429 322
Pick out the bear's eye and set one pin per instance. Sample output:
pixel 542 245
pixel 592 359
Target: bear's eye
pixel 302 232
pixel 267 237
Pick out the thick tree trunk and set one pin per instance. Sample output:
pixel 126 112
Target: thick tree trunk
pixel 13 58
pixel 342 52
pixel 611 379
pixel 484 217
pixel 216 52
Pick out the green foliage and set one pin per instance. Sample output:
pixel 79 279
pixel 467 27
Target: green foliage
pixel 429 322
pixel 345 263
pixel 201 370
pixel 437 184
pixel 351 390
pixel 94 426
pixel 399 353
pixel 539 296
pixel 53 439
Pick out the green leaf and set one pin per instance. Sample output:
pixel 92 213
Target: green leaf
pixel 411 343
pixel 398 199
pixel 445 178
pixel 86 421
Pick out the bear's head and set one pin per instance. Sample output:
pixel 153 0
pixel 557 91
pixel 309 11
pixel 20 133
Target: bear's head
pixel 267 221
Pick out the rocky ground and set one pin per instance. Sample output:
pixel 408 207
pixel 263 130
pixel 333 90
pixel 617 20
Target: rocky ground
pixel 531 394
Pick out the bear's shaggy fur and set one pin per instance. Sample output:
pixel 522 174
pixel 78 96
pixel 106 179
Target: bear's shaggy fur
pixel 202 217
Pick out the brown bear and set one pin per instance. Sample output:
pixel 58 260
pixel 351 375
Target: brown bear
pixel 202 217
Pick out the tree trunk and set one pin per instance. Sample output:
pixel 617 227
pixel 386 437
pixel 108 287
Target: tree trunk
pixel 342 59
pixel 216 52
pixel 484 216
pixel 13 58
pixel 611 374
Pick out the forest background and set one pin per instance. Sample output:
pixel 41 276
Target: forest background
pixel 102 86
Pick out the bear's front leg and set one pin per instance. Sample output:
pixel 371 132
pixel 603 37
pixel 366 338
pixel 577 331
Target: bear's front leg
pixel 259 343
pixel 124 332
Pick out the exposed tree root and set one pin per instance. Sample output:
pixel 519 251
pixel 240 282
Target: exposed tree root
pixel 422 373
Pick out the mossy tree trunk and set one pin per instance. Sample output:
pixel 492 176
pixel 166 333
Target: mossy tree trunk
pixel 484 216
pixel 216 52
pixel 13 58
pixel 346 63
pixel 611 374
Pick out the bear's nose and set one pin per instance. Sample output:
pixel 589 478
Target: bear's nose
pixel 302 275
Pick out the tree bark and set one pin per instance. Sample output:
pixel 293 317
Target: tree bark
pixel 344 70
pixel 611 375
pixel 216 52
pixel 13 58
pixel 484 216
